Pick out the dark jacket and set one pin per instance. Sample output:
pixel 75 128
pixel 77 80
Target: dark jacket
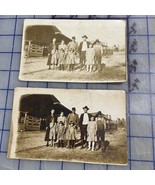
pixel 81 119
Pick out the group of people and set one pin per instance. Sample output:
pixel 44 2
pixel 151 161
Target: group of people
pixel 61 130
pixel 89 55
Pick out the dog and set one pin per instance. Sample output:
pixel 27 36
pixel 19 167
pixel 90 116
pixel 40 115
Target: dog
pixel 105 146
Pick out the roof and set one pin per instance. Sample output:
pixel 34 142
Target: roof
pixel 43 34
pixel 39 105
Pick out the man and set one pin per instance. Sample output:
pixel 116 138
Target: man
pixel 72 119
pixel 82 50
pixel 83 123
pixel 73 45
pixel 52 54
pixel 50 119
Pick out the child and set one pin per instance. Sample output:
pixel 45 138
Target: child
pixel 101 126
pixel 71 135
pixel 54 58
pixel 91 130
pixel 71 60
pixel 52 133
pixel 60 134
pixel 90 54
pixel 61 60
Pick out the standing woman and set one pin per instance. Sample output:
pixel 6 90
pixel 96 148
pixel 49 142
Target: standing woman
pixel 52 54
pixel 50 119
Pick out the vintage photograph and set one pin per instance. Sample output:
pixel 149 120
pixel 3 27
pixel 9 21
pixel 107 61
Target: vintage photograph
pixel 74 51
pixel 69 125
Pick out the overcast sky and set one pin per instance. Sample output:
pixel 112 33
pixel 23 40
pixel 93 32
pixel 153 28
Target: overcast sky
pixel 109 102
pixel 109 31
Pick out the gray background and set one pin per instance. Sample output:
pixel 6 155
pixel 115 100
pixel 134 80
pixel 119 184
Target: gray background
pixel 140 101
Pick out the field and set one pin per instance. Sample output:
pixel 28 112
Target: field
pixel 35 68
pixel 31 145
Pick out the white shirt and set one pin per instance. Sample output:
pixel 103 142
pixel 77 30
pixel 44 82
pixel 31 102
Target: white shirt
pixel 85 119
pixel 84 46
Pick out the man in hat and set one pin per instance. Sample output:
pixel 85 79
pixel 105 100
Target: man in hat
pixel 82 50
pixel 83 123
pixel 72 118
pixel 73 45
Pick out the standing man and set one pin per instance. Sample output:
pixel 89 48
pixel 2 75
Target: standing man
pixel 73 45
pixel 82 50
pixel 84 120
pixel 72 119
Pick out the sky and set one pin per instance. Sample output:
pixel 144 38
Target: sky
pixel 108 102
pixel 109 31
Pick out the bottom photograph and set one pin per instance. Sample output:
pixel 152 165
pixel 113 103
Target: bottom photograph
pixel 87 126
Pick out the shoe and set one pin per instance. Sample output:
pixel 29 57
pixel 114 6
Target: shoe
pixel 92 149
pixel 89 149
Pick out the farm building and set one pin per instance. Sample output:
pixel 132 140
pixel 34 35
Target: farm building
pixel 35 108
pixel 38 37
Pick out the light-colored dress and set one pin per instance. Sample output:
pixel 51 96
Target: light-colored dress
pixel 61 132
pixel 71 58
pixel 91 130
pixel 52 131
pixel 90 54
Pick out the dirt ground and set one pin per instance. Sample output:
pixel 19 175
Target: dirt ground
pixel 36 68
pixel 31 145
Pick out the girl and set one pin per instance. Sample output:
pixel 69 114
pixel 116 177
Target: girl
pixel 91 130
pixel 52 133
pixel 60 134
pixel 71 60
pixel 61 60
pixel 90 54
pixel 71 135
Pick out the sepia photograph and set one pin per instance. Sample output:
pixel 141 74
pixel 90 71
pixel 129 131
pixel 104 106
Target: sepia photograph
pixel 87 126
pixel 92 51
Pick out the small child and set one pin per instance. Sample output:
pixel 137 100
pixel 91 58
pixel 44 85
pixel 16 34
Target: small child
pixel 52 133
pixel 54 58
pixel 60 134
pixel 91 130
pixel 71 135
pixel 71 60
pixel 90 54
pixel 61 60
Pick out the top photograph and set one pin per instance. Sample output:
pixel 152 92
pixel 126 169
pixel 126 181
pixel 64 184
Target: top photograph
pixel 88 51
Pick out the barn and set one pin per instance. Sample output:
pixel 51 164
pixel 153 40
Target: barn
pixel 34 109
pixel 38 37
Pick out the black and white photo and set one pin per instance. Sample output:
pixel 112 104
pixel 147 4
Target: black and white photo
pixel 69 125
pixel 74 51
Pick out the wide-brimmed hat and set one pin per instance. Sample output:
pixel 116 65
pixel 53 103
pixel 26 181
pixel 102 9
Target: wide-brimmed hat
pixel 85 107
pixel 85 36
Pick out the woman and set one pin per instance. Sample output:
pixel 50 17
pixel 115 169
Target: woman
pixel 52 54
pixel 50 119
